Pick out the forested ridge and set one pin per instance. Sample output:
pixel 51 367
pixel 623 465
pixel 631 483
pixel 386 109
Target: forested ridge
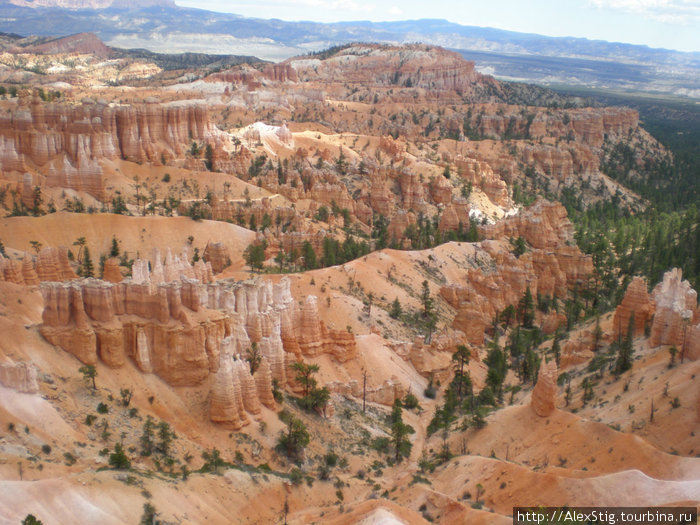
pixel 667 233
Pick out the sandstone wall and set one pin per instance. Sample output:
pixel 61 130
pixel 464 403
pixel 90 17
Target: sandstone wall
pixel 184 329
pixel 552 266
pixel 51 264
pixel 69 140
pixel 677 317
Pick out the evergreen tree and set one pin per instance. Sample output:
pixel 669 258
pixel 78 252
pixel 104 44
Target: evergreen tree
pixel 400 432
pixel 114 250
pixel 395 311
pixel 597 335
pixel 118 459
pixel 212 460
pixel 149 515
pixel 209 157
pixel 427 300
pixel 254 357
pixel 294 440
pixel 309 255
pixel 556 347
pixel 304 375
pixel 89 374
pixel 526 309
pixel 165 438
pixel 147 437
pixel 462 381
pixel 624 355
pixel 88 267
pixel 497 369
pixel 254 256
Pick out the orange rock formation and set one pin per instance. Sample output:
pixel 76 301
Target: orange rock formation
pixel 545 391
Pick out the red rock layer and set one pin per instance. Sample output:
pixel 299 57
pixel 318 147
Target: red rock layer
pixel 677 313
pixel 70 140
pixel 545 391
pixel 417 66
pixel 52 264
pixel 184 329
pixel 636 301
pixel 551 267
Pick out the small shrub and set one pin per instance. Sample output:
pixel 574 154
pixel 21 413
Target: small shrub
pixel 410 401
pixel 430 391
pixel 119 459
pixel 296 476
pixel 70 458
pixel 381 444
pixel 102 408
pixel 46 449
pixel 331 459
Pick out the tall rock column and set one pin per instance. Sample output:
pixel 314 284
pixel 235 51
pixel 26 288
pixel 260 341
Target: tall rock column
pixel 545 391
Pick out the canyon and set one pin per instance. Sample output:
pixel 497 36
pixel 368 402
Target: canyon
pixel 352 284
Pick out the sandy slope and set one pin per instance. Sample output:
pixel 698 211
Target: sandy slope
pixel 137 235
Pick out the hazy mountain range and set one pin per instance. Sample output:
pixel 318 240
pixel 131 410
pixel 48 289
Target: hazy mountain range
pixel 161 26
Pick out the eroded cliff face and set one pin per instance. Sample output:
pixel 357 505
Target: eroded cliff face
pixel 677 318
pixel 670 312
pixel 21 377
pixel 415 66
pixel 67 141
pixel 175 322
pixel 636 302
pixel 51 264
pixel 545 391
pixel 551 267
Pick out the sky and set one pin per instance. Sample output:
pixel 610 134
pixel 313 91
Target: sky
pixel 670 24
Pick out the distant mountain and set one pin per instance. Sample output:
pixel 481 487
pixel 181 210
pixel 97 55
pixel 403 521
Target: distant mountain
pixel 84 43
pixel 91 4
pixel 160 26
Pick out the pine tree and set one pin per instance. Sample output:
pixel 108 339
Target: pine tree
pixel 294 440
pixel 460 359
pixel 118 459
pixel 526 309
pixel 147 437
pixel 114 251
pixel 304 373
pixel 149 515
pixel 395 311
pixel 165 437
pixel 624 355
pixel 209 157
pixel 400 432
pixel 88 267
pixel 89 374
pixel 254 357
pixel 597 335
pixel 556 348
pixel 427 300
pixel 307 251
